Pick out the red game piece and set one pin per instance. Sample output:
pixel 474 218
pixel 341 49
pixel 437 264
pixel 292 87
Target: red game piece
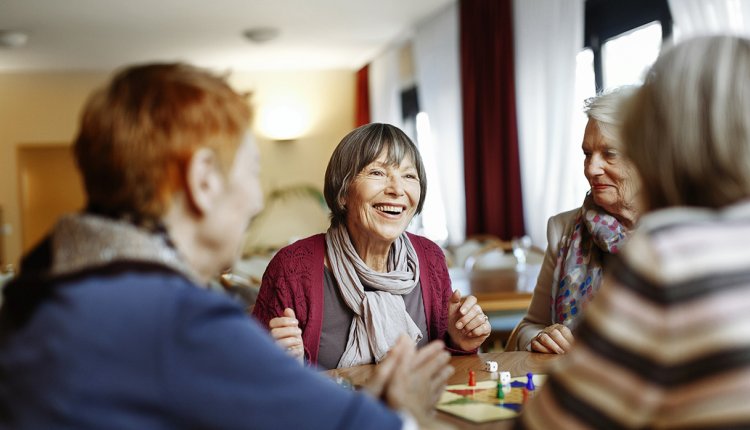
pixel 472 381
pixel 525 395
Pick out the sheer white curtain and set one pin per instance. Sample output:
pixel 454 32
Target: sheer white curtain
pixel 548 35
pixel 385 88
pixel 436 63
pixel 696 17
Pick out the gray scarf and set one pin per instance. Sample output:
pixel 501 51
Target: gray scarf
pixel 380 316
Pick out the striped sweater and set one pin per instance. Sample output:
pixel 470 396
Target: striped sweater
pixel 666 343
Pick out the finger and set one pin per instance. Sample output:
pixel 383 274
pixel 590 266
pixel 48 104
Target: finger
pixel 283 322
pixel 560 340
pixel 403 342
pixel 293 350
pixel 475 319
pixel 438 383
pixel 482 330
pixel 471 313
pixel 289 342
pixel 549 343
pixel 468 303
pixel 565 331
pixel 428 351
pixel 455 297
pixel 435 376
pixel 289 313
pixel 538 347
pixel 397 388
pixel 297 352
pixel 431 363
pixel 453 305
pixel 282 332
pixel 441 378
pixel 383 371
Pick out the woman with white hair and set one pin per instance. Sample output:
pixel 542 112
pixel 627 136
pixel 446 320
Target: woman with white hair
pixel 666 344
pixel 580 239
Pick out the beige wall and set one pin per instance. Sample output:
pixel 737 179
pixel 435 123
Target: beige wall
pixel 328 98
pixel 39 108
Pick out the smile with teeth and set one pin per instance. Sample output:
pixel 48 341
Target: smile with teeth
pixel 391 210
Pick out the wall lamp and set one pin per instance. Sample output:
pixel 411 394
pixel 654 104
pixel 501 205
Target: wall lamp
pixel 283 119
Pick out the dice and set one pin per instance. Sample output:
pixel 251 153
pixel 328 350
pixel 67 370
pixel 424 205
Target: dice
pixel 490 366
pixel 505 378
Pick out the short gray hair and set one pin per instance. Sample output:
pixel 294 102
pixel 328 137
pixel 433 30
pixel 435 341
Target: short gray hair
pixel 687 130
pixel 605 109
pixel 359 148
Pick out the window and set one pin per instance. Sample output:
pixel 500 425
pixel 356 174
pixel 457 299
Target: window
pixel 625 37
pixel 431 222
pixel 625 58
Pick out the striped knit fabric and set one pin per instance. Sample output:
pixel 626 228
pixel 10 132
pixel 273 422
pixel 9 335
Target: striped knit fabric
pixel 666 343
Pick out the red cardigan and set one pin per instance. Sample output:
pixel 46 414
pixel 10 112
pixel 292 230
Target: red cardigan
pixel 294 279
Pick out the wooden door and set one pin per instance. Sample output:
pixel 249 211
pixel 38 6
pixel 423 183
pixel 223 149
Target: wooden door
pixel 49 186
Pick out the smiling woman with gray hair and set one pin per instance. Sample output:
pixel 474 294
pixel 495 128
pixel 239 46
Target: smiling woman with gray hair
pixel 341 299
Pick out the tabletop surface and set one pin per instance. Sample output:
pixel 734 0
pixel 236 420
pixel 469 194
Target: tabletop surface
pixel 517 363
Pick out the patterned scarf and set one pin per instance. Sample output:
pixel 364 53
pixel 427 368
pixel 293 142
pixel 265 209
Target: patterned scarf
pixel 578 273
pixel 380 316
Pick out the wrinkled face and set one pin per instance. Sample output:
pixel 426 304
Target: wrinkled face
pixel 608 173
pixel 382 199
pixel 240 199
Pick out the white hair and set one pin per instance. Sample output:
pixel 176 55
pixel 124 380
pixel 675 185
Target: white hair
pixel 605 109
pixel 687 131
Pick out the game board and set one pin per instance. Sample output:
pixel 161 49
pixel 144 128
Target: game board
pixel 480 404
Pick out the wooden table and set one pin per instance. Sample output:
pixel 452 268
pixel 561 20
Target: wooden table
pixel 517 363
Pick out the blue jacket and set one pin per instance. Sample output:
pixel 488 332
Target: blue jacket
pixel 138 346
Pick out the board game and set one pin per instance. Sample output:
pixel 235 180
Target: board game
pixel 480 403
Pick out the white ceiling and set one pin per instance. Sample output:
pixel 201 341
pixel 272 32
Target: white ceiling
pixel 105 34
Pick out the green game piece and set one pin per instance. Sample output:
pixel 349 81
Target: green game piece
pixel 500 393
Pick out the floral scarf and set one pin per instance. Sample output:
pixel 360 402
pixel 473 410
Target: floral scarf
pixel 578 273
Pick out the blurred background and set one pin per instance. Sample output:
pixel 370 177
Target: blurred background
pixel 492 91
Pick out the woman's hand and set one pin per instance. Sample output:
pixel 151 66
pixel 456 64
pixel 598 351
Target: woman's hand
pixel 468 326
pixel 412 380
pixel 555 339
pixel 287 334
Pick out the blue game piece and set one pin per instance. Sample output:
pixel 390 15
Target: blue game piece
pixel 530 382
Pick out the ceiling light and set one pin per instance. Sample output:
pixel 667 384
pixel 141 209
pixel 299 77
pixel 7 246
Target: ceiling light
pixel 261 34
pixel 13 38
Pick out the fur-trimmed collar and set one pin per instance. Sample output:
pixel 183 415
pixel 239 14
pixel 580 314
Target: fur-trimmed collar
pixel 86 241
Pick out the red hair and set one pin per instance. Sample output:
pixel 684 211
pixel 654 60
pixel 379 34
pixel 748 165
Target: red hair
pixel 137 135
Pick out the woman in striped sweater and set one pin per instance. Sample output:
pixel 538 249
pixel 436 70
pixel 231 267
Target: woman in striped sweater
pixel 666 343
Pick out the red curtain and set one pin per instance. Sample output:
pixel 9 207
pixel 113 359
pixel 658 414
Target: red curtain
pixel 362 102
pixel 491 160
